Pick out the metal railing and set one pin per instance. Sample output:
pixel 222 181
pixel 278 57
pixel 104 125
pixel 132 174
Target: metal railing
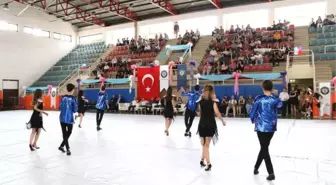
pixel 325 48
pixel 72 65
pixel 53 67
pixel 77 70
pixel 313 63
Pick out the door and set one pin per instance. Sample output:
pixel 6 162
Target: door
pixel 10 91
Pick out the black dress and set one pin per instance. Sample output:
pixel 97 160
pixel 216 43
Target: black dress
pixel 168 111
pixel 36 120
pixel 207 126
pixel 81 107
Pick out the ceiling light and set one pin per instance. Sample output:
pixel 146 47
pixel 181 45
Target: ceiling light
pixel 6 7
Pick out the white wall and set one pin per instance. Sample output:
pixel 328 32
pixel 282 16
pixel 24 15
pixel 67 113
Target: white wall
pixel 271 6
pixel 26 57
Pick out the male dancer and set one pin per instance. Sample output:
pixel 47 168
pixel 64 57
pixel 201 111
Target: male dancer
pixel 101 106
pixel 191 108
pixel 68 107
pixel 264 115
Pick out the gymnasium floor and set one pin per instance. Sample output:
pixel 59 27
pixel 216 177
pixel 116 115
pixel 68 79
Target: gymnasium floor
pixel 132 150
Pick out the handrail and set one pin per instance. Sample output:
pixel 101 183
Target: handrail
pixel 325 48
pixel 283 33
pixel 66 78
pixel 73 65
pixel 263 50
pixel 51 69
pixel 313 63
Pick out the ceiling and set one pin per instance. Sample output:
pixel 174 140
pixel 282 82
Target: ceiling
pixel 82 13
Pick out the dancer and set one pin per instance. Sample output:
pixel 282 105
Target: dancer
pixel 207 127
pixel 264 115
pixel 169 109
pixel 36 120
pixel 68 107
pixel 101 106
pixel 81 108
pixel 191 108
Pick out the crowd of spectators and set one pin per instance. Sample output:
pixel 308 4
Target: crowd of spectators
pixel 328 20
pixel 140 52
pixel 238 47
pixel 189 37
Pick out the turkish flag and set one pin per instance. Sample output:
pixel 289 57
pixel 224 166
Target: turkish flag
pixel 148 83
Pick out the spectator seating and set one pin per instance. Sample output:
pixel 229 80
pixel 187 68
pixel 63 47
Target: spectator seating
pixel 247 46
pixel 324 46
pixel 82 54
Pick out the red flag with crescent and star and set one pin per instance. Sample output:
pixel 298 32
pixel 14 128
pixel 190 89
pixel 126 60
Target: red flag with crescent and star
pixel 148 83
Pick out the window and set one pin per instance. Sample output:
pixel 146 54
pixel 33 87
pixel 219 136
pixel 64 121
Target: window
pixel 8 26
pixel 28 30
pixel 57 36
pixel 90 38
pixel 66 38
pixel 302 17
pixel 45 34
pixel 36 32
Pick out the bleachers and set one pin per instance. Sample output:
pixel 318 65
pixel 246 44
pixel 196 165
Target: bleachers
pixel 82 54
pixel 266 38
pixel 324 45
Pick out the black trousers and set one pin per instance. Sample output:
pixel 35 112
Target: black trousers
pixel 99 116
pixel 284 108
pixel 66 131
pixel 264 140
pixel 189 118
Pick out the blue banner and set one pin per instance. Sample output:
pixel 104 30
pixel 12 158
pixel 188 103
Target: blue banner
pixel 181 76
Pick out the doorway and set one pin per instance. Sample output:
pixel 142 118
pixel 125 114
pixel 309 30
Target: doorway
pixel 10 93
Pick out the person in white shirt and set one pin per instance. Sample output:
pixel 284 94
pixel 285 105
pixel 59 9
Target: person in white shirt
pixel 232 105
pixel 284 97
pixel 259 59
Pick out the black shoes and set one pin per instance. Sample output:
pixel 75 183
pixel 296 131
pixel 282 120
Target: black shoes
pixel 61 149
pixel 186 134
pixel 80 126
pixel 167 132
pixel 99 129
pixel 208 168
pixel 31 148
pixel 68 152
pixel 202 164
pixel 271 177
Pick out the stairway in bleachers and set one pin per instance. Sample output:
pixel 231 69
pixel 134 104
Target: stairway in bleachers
pixel 71 63
pixel 301 39
pixel 164 59
pixel 324 47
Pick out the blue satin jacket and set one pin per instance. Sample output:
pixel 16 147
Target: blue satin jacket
pixel 264 113
pixel 68 107
pixel 193 97
pixel 102 101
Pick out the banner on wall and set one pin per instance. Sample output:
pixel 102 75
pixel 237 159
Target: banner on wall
pixel 181 76
pixel 53 98
pixel 325 101
pixel 164 81
pixel 148 83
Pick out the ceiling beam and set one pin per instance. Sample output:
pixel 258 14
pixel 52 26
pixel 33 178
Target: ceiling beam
pixel 113 6
pixel 216 3
pixel 65 6
pixel 165 5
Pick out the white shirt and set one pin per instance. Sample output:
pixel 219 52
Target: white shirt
pixel 232 102
pixel 284 96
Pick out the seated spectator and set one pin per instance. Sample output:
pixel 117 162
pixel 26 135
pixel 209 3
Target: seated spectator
pixel 249 103
pixel 147 47
pixel 319 22
pixel 240 66
pixel 313 24
pixel 132 105
pixel 259 58
pixel 166 38
pixel 198 34
pixel 241 105
pixel 223 105
pixel 225 69
pixel 232 105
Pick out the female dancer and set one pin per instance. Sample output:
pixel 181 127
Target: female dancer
pixel 169 109
pixel 207 128
pixel 81 108
pixel 36 120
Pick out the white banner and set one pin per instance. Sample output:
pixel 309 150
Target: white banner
pixel 325 101
pixel 53 98
pixel 164 79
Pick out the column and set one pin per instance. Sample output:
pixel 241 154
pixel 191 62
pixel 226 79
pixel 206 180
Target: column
pixel 331 7
pixel 219 20
pixel 136 29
